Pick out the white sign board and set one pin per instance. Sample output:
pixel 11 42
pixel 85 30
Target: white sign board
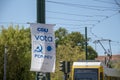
pixel 43 48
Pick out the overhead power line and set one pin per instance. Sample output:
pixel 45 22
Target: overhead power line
pixel 100 22
pixel 105 1
pixel 77 14
pixel 16 23
pixel 106 18
pixel 85 6
pixel 74 19
pixel 117 3
pixel 109 16
pixel 74 24
pixel 116 42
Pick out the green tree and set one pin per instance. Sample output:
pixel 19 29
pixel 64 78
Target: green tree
pixel 116 65
pixel 60 35
pixel 76 39
pixel 70 47
pixel 18 54
pixel 92 54
pixel 73 39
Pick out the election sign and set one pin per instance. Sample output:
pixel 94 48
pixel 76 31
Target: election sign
pixel 43 47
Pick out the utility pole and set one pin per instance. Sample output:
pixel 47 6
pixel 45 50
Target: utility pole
pixel 41 11
pixel 41 19
pixel 5 61
pixel 86 49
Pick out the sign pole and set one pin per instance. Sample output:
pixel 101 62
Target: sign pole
pixel 86 50
pixel 5 62
pixel 41 19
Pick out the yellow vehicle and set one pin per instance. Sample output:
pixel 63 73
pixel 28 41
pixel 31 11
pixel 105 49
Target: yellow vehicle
pixel 93 70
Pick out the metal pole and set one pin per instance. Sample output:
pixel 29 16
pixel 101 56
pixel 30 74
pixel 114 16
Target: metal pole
pixel 5 62
pixel 110 48
pixel 41 19
pixel 41 11
pixel 65 76
pixel 86 49
pixel 102 47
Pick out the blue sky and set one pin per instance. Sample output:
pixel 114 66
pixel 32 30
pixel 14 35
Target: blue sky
pixel 102 17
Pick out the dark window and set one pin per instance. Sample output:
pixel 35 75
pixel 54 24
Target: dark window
pixel 85 74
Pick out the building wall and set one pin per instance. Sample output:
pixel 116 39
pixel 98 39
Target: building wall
pixel 114 58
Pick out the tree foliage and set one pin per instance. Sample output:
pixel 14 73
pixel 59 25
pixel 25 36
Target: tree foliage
pixel 18 53
pixel 60 36
pixel 92 54
pixel 76 39
pixel 69 47
pixel 116 65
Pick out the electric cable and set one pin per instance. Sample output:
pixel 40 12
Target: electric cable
pixel 84 6
pixel 74 19
pixel 76 14
pixel 105 2
pixel 117 3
